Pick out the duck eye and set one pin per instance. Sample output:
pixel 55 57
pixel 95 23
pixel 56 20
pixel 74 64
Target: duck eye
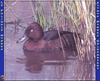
pixel 31 30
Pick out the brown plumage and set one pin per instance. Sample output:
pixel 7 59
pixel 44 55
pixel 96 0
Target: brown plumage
pixel 42 46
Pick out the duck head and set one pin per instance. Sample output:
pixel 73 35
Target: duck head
pixel 34 32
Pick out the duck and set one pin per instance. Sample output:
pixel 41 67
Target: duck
pixel 47 45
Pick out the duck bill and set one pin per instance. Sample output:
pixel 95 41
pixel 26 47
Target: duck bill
pixel 22 39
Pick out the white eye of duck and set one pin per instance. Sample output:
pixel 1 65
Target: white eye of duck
pixel 31 30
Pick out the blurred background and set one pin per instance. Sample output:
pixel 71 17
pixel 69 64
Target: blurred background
pixel 70 15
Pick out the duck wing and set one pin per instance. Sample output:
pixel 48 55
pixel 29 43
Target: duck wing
pixel 51 35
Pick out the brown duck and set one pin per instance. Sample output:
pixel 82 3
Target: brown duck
pixel 48 45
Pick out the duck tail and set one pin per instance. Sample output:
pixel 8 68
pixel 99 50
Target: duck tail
pixel 70 42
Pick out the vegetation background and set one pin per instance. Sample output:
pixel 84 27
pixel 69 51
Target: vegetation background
pixel 70 15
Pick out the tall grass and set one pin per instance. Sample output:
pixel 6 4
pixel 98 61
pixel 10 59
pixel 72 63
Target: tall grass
pixel 75 16
pixel 80 17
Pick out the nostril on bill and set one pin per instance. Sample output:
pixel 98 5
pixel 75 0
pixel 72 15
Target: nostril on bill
pixel 23 38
